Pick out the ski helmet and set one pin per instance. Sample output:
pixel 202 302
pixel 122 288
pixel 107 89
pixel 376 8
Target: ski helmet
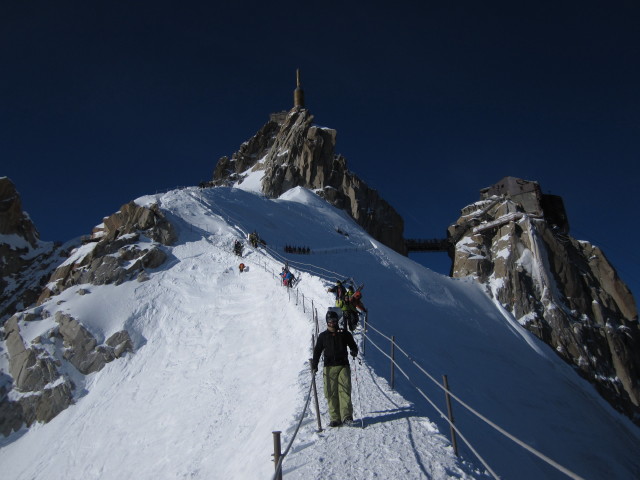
pixel 332 317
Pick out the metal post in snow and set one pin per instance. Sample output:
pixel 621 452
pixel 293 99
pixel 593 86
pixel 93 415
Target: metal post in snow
pixel 364 331
pixel 454 441
pixel 276 454
pixel 393 349
pixel 315 396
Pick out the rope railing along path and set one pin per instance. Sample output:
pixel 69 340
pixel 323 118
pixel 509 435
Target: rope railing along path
pixel 278 467
pixel 278 470
pixel 511 437
pixel 310 268
pixel 442 414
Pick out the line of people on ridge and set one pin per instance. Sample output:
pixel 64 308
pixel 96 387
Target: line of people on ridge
pixel 297 250
pixel 334 344
pixel 349 301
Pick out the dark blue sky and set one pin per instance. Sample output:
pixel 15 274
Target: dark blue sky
pixel 103 102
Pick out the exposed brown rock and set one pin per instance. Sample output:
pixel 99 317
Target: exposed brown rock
pixel 25 262
pixel 35 374
pixel 297 153
pixel 111 260
pixel 563 290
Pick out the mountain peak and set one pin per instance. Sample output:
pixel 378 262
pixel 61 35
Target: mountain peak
pixel 13 220
pixel 293 152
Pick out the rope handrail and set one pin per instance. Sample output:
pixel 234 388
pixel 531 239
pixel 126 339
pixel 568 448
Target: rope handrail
pixel 379 332
pixel 295 433
pixel 442 414
pixel 511 437
pixel 286 260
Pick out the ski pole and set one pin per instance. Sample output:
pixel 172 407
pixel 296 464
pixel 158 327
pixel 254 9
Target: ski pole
pixel 355 372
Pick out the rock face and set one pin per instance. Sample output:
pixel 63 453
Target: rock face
pixel 25 262
pixel 113 254
pixel 37 386
pixel 40 391
pixel 293 152
pixel 13 221
pixel 563 290
pixel 82 349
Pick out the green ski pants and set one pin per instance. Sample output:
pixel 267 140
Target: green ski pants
pixel 337 391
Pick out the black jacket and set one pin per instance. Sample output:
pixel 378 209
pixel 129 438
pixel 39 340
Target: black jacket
pixel 334 345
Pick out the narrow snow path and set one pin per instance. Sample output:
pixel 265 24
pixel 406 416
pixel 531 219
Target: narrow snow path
pixel 395 441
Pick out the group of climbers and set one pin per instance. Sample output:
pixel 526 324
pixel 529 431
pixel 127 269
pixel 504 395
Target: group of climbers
pixel 255 240
pixel 350 302
pixel 287 278
pixel 297 250
pixel 334 343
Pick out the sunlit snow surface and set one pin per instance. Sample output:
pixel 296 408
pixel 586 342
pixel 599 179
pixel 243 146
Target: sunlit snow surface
pixel 221 361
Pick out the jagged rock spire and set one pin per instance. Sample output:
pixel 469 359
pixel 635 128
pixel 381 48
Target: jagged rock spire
pixel 515 241
pixel 298 93
pixel 295 152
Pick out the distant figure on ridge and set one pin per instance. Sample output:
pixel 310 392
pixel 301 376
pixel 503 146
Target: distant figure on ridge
pixel 237 248
pixel 349 312
pixel 355 308
pixel 339 291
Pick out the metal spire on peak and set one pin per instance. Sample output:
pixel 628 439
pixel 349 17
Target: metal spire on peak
pixel 298 93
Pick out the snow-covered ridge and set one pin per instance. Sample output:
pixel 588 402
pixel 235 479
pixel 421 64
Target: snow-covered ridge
pixel 221 361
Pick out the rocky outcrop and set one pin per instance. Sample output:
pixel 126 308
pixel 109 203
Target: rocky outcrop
pixel 39 390
pixel 25 262
pixel 294 152
pixel 563 290
pixel 82 349
pixel 13 221
pixel 126 245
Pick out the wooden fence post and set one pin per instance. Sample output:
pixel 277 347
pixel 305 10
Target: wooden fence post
pixel 454 441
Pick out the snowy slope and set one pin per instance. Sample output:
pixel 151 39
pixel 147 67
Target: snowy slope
pixel 221 361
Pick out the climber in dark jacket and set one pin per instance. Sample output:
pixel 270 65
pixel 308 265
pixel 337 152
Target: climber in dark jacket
pixel 334 342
